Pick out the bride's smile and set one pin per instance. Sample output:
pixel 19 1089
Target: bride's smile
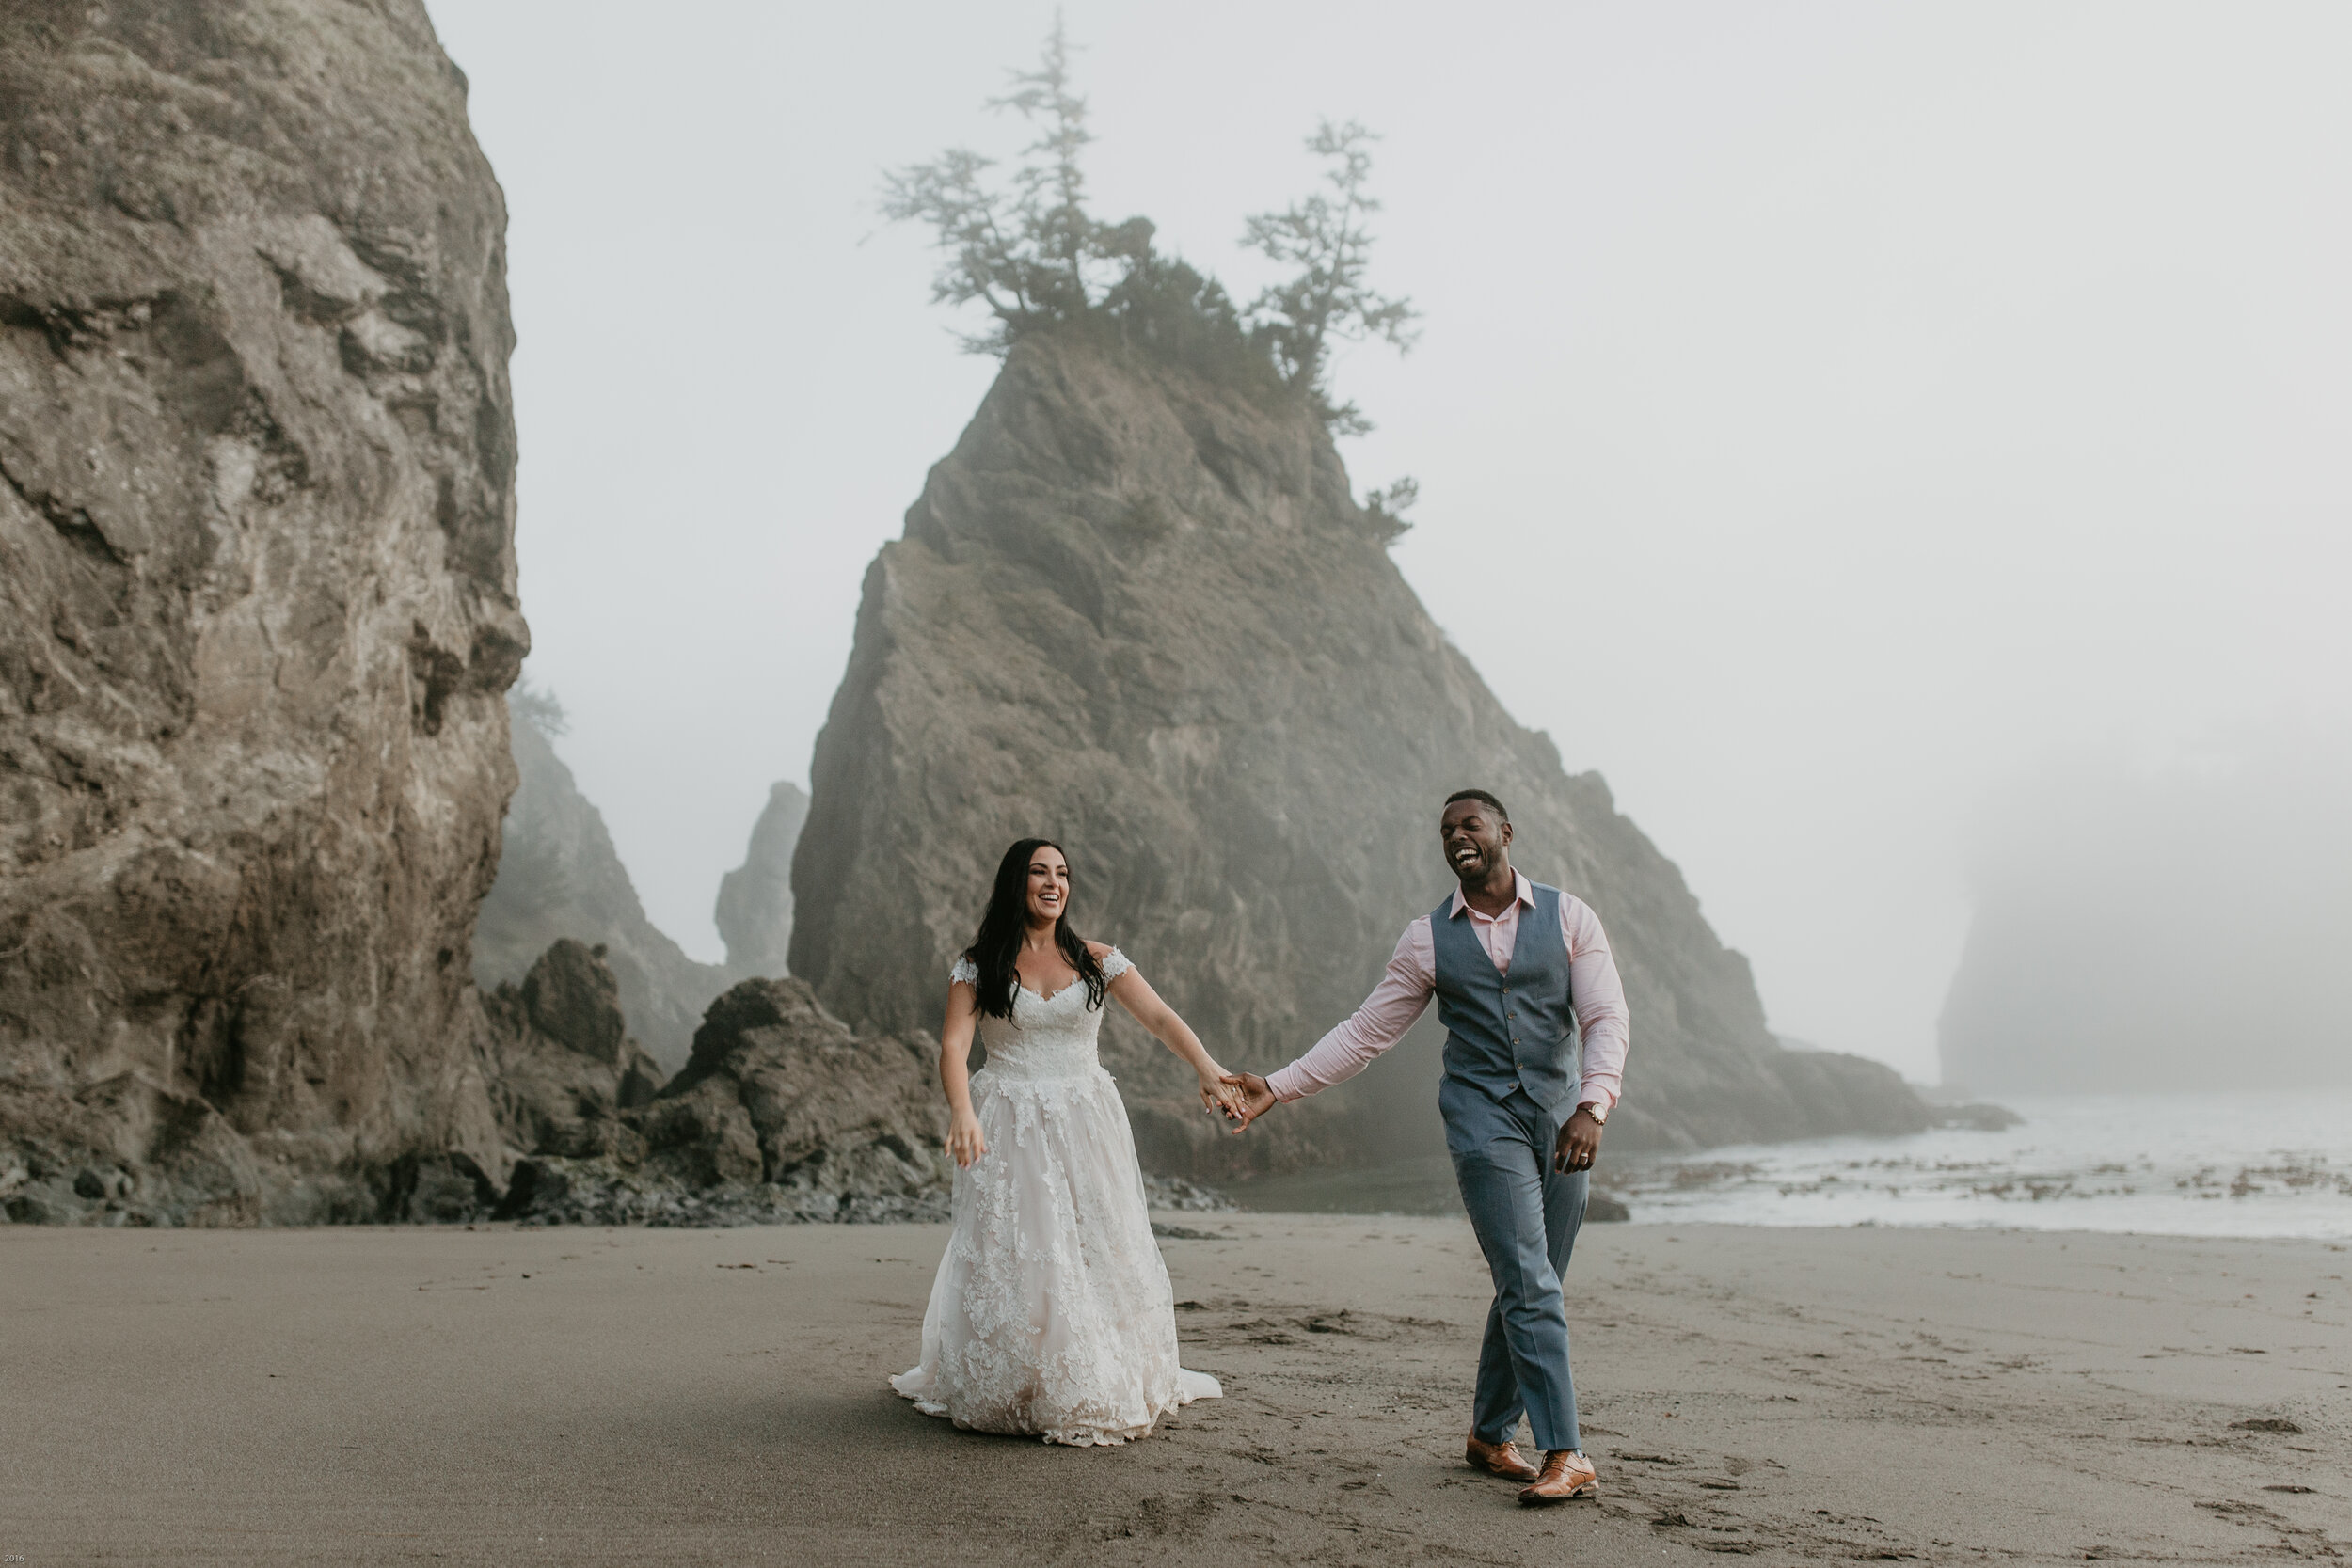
pixel 1049 887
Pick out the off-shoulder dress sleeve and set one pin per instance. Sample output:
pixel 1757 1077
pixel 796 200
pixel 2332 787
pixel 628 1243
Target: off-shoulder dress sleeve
pixel 1115 964
pixel 965 971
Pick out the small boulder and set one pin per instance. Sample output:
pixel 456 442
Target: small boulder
pixel 1978 1116
pixel 571 997
pixel 704 1137
pixel 435 1188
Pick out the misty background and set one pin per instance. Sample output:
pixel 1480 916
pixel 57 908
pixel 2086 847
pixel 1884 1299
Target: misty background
pixel 1879 439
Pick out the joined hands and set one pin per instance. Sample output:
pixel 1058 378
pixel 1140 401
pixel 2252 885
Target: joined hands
pixel 1252 1099
pixel 1218 1094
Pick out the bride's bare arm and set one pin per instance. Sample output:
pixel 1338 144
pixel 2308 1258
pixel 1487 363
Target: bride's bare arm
pixel 964 1142
pixel 1134 994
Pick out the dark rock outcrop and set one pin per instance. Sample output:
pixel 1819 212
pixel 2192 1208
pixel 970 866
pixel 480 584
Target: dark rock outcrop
pixel 782 1115
pixel 560 877
pixel 564 1066
pixel 755 912
pixel 780 1090
pixel 1138 609
pixel 121 1151
pixel 257 603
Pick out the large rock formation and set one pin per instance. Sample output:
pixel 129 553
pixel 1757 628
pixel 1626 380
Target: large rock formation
pixel 1136 609
pixel 257 599
pixel 756 898
pixel 559 876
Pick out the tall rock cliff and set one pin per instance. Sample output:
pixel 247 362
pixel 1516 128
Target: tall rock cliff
pixel 756 898
pixel 559 876
pixel 1137 610
pixel 257 599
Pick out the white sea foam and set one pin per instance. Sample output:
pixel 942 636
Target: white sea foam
pixel 2218 1165
pixel 2223 1164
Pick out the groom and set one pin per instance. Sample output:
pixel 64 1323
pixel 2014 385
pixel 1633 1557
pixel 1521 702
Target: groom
pixel 1519 971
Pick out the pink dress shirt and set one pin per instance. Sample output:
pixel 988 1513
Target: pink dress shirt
pixel 1405 992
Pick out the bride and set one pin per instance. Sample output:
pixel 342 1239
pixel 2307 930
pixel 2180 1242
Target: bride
pixel 1051 1315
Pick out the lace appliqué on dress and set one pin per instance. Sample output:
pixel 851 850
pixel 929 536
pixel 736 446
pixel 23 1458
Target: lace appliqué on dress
pixel 1115 963
pixel 1052 1314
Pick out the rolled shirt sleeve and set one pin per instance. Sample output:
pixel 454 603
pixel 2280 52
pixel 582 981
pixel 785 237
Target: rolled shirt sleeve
pixel 1600 1011
pixel 1395 1007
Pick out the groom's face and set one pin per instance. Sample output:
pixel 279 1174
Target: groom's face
pixel 1475 837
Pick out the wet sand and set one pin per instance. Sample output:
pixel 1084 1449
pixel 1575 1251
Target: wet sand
pixel 627 1396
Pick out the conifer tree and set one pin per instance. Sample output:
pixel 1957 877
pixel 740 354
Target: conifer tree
pixel 1328 238
pixel 1031 254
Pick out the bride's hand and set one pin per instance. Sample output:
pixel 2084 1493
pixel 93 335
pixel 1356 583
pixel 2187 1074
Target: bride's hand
pixel 1256 1097
pixel 1220 1093
pixel 965 1143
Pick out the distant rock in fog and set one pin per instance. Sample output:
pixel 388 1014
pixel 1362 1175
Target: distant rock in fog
pixel 257 563
pixel 754 913
pixel 1138 609
pixel 2184 932
pixel 558 876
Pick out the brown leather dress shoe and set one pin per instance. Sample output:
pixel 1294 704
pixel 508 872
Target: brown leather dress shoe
pixel 1566 1474
pixel 1498 1459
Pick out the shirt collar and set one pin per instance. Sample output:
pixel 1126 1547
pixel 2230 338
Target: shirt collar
pixel 1526 895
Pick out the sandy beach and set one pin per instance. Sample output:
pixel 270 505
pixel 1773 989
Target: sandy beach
pixel 579 1396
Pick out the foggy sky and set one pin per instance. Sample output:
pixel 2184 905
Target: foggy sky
pixel 1824 414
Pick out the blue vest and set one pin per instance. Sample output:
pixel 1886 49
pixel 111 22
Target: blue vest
pixel 1515 1033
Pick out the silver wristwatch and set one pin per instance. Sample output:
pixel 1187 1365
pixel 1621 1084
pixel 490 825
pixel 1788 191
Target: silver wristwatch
pixel 1596 1110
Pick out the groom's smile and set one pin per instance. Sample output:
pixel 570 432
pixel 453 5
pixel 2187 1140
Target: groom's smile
pixel 1475 838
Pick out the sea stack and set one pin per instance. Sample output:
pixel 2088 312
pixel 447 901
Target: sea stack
pixel 1138 609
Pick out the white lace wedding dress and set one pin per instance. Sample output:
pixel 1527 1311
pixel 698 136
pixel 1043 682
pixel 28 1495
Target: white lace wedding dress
pixel 1051 1315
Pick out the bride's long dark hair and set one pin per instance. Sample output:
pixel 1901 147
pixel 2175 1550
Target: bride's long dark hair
pixel 999 945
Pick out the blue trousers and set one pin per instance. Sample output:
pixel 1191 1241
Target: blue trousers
pixel 1526 1216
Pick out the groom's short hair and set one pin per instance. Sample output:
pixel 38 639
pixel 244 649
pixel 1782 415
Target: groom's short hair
pixel 1478 795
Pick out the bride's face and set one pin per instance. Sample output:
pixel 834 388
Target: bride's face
pixel 1049 886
